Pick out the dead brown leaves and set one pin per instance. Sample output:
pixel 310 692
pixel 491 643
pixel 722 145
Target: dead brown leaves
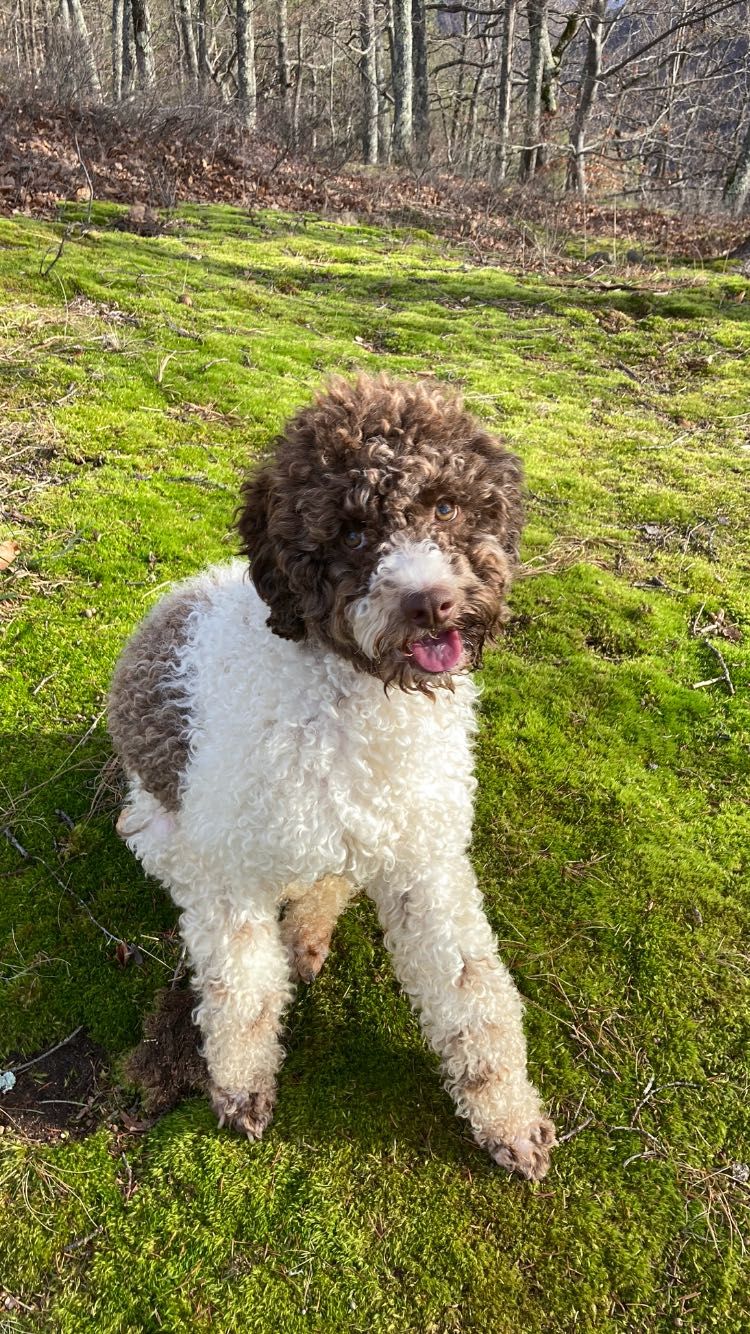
pixel 153 166
pixel 8 552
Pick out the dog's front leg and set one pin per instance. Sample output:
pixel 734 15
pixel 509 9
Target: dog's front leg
pixel 445 957
pixel 242 974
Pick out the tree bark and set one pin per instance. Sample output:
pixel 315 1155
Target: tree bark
pixel 246 87
pixel 421 81
pixel 403 80
pixel 538 46
pixel 32 45
pixel 83 44
pixel 332 86
pixel 179 44
pixel 738 185
pixel 144 53
pixel 592 69
pixel 505 88
pixel 118 20
pixel 554 59
pixel 369 77
pixel 284 67
pixel 298 86
pixel 204 67
pixel 189 49
pixel 128 50
pixel 471 133
pixel 385 136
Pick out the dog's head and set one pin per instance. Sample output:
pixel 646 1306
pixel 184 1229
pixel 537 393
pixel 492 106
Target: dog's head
pixel 386 528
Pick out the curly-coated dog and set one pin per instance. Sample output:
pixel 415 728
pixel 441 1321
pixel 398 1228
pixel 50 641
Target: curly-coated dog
pixel 295 735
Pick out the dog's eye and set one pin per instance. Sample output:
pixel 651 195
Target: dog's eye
pixel 354 539
pixel 445 510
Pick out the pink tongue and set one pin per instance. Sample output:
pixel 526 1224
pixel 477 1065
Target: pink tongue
pixel 439 653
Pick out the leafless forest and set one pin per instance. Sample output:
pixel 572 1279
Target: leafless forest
pixel 615 99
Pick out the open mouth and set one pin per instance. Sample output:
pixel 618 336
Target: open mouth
pixel 437 653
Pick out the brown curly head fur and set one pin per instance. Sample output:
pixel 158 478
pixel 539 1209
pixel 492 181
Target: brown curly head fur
pixel 373 460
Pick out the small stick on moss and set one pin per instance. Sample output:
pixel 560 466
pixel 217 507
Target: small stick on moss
pixel 36 1059
pixel 178 972
pixel 570 1134
pixel 14 843
pixel 724 668
pixel 715 680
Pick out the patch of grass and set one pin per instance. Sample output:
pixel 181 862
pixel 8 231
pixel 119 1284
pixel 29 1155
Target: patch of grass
pixel 139 379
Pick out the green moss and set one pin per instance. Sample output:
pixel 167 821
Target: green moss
pixel 139 379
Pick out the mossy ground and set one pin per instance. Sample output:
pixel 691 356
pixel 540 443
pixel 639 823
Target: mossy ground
pixel 139 379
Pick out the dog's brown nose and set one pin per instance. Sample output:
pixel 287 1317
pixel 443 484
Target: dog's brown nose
pixel 429 606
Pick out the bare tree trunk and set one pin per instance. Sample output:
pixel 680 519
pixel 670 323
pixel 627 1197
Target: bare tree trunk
pixel 118 18
pixel 178 43
pixel 46 29
pixel 403 79
pixel 421 81
pixel 284 68
pixel 189 49
pixel 331 86
pixel 128 49
pixel 84 47
pixel 738 185
pixel 538 46
pixel 144 53
pixel 385 128
pixel 204 67
pixel 592 69
pixel 554 58
pixel 369 74
pixel 471 136
pixel 32 48
pixel 458 97
pixel 246 87
pixel 19 37
pixel 505 89
pixel 298 86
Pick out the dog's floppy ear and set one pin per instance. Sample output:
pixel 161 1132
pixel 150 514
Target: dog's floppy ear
pixel 255 522
pixel 502 480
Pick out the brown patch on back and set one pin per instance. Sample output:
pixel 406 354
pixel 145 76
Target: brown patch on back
pixel 167 1064
pixel 148 705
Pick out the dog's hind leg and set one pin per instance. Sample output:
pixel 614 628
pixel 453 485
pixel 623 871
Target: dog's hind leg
pixel 445 957
pixel 309 920
pixel 242 975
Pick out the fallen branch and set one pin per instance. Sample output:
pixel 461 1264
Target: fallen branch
pixel 570 1134
pixel 16 1069
pixel 723 665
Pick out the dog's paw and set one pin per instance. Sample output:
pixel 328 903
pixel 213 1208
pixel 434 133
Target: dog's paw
pixel 527 1154
pixel 308 957
pixel 247 1113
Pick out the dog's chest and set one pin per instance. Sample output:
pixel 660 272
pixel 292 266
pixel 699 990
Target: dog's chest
pixel 323 772
pixel 369 767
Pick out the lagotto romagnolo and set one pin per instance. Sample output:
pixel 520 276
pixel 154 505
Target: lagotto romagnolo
pixel 300 728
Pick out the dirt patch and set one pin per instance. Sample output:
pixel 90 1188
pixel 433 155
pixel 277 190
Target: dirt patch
pixel 167 1065
pixel 59 1096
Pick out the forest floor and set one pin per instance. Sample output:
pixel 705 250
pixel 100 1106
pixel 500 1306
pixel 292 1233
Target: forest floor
pixel 140 375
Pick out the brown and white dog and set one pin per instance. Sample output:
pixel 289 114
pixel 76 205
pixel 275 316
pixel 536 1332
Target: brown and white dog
pixel 298 734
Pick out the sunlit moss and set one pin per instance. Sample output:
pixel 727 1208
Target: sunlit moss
pixel 140 378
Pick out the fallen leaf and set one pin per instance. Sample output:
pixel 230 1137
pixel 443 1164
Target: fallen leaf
pixel 126 953
pixel 8 552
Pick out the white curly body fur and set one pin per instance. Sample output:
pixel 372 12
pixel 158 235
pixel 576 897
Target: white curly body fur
pixel 306 779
